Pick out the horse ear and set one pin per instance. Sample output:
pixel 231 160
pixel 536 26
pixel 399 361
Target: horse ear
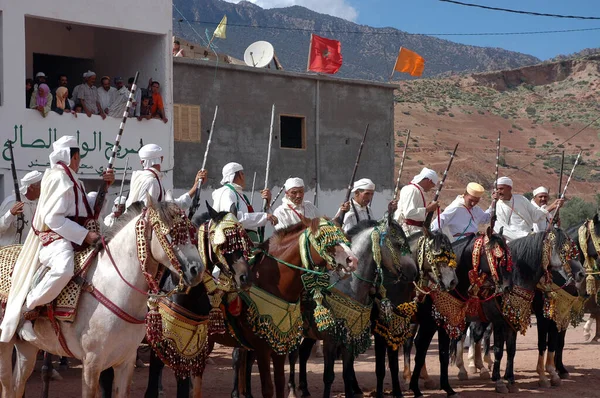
pixel 233 209
pixel 211 212
pixel 488 231
pixel 501 233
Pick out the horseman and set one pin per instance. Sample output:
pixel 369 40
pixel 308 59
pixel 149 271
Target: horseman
pixel 540 200
pixel 294 208
pixel 148 181
pixel 463 216
pixel 515 213
pixel 117 209
pixel 10 208
pixel 231 194
pixel 360 204
pixel 57 225
pixel 412 207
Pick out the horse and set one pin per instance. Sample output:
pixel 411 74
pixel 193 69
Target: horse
pixel 448 312
pixel 282 267
pixel 384 260
pixel 587 237
pixel 110 318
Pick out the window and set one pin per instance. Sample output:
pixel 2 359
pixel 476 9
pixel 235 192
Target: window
pixel 293 130
pixel 186 122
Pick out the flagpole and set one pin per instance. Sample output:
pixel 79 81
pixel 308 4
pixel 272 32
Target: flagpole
pixel 309 52
pixel 317 139
pixel 395 64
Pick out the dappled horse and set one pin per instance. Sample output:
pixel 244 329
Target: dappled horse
pixel 384 261
pixel 270 322
pixel 110 317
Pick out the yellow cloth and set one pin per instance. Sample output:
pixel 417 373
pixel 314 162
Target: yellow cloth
pixel 220 32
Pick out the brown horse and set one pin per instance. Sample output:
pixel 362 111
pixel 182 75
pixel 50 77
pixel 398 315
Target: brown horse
pixel 312 247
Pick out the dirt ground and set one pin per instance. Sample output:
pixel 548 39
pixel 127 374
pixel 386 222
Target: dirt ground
pixel 582 360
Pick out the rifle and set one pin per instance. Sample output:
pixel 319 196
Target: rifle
pixel 123 180
pixel 397 187
pixel 495 201
pixel 252 194
pixel 20 216
pixel 556 218
pixel 279 193
pixel 562 195
pixel 429 216
pixel 340 219
pixel 196 201
pixel 104 189
pixel 261 231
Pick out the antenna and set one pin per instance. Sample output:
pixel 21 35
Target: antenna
pixel 259 54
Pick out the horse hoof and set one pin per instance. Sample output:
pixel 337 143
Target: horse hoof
pixel 544 383
pixel 586 336
pixel 564 375
pixel 473 370
pixel 430 384
pixel 305 393
pixel 463 375
pixel 555 381
pixel 454 395
pixel 501 387
pixel 484 375
pixel 513 388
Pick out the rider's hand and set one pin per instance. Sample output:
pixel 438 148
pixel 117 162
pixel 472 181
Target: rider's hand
pixel 108 176
pixel 91 237
pixel 17 208
pixel 433 206
pixel 266 194
pixel 272 219
pixel 345 207
pixel 392 206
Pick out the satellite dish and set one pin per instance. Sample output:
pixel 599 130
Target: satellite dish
pixel 259 54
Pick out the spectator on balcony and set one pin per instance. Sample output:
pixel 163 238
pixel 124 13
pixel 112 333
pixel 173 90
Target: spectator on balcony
pixel 137 100
pixel 40 78
pixel 28 92
pixel 60 101
pixel 158 108
pixel 106 94
pixel 78 89
pixel 177 50
pixel 42 99
pixel 78 109
pixel 145 109
pixel 118 106
pixel 89 97
pixel 63 81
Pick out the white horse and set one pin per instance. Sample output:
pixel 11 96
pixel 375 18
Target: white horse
pixel 99 337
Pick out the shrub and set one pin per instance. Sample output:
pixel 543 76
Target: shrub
pixel 530 111
pixel 532 141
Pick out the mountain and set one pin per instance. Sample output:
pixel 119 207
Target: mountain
pixel 369 54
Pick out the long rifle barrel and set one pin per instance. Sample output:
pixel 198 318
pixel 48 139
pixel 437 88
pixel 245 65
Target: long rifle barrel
pixel 429 216
pixel 20 217
pixel 495 202
pixel 265 201
pixel 564 191
pixel 397 187
pixel 556 218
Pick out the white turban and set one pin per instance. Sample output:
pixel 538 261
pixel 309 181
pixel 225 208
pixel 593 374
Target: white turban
pixel 505 181
pixel 425 173
pixel 229 171
pixel 89 73
pixel 293 182
pixel 29 179
pixel 540 190
pixel 91 196
pixel 61 150
pixel 150 154
pixel 364 184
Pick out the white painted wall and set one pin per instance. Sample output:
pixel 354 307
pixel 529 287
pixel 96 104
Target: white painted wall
pixel 121 37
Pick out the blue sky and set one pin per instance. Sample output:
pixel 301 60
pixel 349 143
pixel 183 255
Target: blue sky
pixel 433 16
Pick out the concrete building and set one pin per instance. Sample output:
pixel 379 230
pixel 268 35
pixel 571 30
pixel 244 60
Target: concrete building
pixel 110 37
pixel 319 124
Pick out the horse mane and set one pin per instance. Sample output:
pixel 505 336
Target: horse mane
pixel 461 245
pixel 528 251
pixel 361 226
pixel 199 219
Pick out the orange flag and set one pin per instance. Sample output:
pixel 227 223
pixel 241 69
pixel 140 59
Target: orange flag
pixel 409 62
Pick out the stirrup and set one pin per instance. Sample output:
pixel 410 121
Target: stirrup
pixel 32 315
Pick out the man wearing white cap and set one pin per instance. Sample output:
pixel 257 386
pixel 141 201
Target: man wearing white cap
pixel 117 209
pixel 10 208
pixel 294 208
pixel 515 213
pixel 62 209
pixel 78 90
pixel 230 197
pixel 148 181
pixel 360 204
pixel 463 217
pixel 412 206
pixel 540 199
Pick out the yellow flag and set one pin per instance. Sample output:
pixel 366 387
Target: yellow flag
pixel 220 31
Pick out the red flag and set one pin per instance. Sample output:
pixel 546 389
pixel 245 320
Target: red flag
pixel 324 55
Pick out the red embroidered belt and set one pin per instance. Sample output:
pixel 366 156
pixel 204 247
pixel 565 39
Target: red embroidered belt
pixel 414 223
pixel 48 237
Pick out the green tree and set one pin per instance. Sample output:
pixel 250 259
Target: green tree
pixel 575 211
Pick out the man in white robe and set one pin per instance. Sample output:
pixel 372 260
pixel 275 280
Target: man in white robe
pixel 412 206
pixel 231 194
pixel 62 204
pixel 540 199
pixel 10 208
pixel 119 104
pixel 117 209
pixel 360 203
pixel 148 181
pixel 515 213
pixel 463 216
pixel 294 208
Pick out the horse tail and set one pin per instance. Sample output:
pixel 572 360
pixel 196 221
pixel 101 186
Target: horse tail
pixel 453 350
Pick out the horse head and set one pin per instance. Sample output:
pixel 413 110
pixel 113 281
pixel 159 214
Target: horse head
pixel 435 258
pixel 499 255
pixel 560 254
pixel 324 241
pixel 165 230
pixel 396 254
pixel 223 242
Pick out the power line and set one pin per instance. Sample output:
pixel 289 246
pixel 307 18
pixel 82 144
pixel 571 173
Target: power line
pixel 550 151
pixel 537 14
pixel 390 33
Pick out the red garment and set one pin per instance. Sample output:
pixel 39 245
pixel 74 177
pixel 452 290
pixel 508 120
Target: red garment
pixel 325 55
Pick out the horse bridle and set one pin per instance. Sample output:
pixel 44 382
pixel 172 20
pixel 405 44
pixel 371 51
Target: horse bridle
pixel 566 253
pixel 497 258
pixel 444 255
pixel 585 234
pixel 326 236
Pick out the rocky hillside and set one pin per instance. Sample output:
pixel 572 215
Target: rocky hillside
pixel 537 108
pixel 366 56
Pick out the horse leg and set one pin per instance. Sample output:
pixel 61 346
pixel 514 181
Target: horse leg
pixel 406 351
pixel 422 341
pixel 511 349
pixel 329 356
pixel 487 358
pixel 597 335
pixel 444 356
pixel 587 328
pixel 90 378
pixel 393 357
pixel 196 387
pixel 542 331
pixel 552 344
pixel 6 369
pixel 380 352
pixel 264 366
pixel 563 373
pixel 292 359
pixel 123 376
pixel 250 359
pixel 304 353
pixel 235 359
pixel 279 375
pixel 26 355
pixel 460 363
pixel 154 375
pixel 498 353
pixel 46 374
pixel 348 373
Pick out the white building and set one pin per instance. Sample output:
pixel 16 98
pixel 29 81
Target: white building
pixel 110 37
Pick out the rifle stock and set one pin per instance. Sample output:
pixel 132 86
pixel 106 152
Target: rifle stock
pixel 20 217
